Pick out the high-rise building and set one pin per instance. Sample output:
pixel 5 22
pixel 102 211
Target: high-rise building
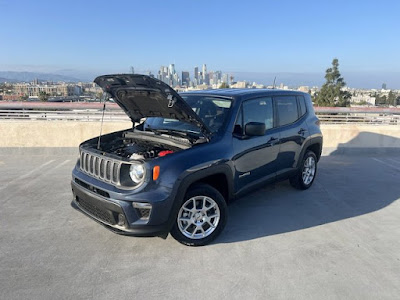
pixel 164 75
pixel 185 78
pixel 172 69
pixel 207 79
pixel 196 74
pixel 204 69
pixel 225 78
pixel 217 75
pixel 383 86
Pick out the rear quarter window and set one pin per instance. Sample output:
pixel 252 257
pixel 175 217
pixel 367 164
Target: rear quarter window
pixel 286 107
pixel 302 104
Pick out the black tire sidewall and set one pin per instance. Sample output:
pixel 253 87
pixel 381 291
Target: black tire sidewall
pixel 202 190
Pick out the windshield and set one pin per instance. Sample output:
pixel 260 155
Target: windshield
pixel 211 110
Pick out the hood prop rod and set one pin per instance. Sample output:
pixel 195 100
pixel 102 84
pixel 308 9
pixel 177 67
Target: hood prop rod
pixel 101 126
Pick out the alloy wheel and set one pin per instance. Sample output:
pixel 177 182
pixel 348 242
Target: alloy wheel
pixel 198 217
pixel 308 170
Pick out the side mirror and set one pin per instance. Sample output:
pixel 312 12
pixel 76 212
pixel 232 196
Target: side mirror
pixel 254 129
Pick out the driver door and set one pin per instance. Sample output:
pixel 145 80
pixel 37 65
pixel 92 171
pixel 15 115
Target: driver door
pixel 255 156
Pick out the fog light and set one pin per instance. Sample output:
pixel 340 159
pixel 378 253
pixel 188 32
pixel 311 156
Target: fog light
pixel 143 210
pixel 121 220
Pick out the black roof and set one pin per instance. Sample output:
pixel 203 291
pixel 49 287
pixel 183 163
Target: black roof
pixel 243 93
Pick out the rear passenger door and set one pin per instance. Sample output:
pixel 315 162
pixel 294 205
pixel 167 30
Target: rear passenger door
pixel 290 111
pixel 255 159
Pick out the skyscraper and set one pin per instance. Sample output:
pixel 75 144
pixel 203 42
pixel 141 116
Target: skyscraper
pixel 185 78
pixel 207 79
pixel 172 69
pixel 196 74
pixel 204 72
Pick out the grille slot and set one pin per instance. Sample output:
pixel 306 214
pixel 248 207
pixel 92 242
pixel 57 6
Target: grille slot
pixel 92 188
pixel 105 169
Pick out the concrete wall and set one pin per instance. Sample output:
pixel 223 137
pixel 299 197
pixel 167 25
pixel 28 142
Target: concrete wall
pixel 355 139
pixel 52 135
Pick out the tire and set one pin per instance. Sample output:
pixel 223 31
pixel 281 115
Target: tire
pixel 201 217
pixel 307 172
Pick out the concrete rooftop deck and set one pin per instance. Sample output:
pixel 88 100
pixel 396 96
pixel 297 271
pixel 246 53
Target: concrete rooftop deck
pixel 340 239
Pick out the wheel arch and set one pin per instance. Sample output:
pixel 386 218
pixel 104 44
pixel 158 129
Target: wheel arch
pixel 220 177
pixel 314 145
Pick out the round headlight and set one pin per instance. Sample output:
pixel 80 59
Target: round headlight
pixel 137 172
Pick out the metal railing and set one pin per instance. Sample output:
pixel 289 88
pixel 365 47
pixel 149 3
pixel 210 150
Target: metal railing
pixel 358 115
pixel 74 115
pixel 77 111
pixel 357 118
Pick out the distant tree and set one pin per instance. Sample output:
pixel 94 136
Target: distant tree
pixel 362 102
pixel 391 99
pixel 6 89
pixel 383 100
pixel 398 100
pixel 331 93
pixel 224 85
pixel 99 95
pixel 24 97
pixel 380 100
pixel 43 96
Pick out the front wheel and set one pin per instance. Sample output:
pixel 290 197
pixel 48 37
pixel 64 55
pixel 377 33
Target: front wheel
pixel 306 175
pixel 201 217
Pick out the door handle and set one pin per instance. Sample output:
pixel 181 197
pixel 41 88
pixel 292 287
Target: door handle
pixel 272 141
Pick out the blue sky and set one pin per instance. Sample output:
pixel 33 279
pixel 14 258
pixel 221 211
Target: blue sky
pixel 233 36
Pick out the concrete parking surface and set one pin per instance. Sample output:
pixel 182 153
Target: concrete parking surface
pixel 340 239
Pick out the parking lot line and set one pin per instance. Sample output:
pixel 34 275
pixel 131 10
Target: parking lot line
pixel 385 163
pixel 63 163
pixel 27 174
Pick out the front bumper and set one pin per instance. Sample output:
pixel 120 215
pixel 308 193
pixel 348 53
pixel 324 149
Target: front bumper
pixel 109 212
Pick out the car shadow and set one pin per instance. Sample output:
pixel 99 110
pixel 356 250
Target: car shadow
pixel 346 186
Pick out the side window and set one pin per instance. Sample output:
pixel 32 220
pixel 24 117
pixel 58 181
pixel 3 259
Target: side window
pixel 259 110
pixel 303 108
pixel 286 107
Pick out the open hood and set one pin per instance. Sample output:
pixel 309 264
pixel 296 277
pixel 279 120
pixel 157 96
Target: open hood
pixel 141 96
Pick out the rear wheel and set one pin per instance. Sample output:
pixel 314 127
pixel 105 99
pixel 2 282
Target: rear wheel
pixel 201 217
pixel 306 174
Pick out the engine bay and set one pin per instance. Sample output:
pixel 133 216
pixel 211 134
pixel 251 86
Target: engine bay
pixel 140 146
pixel 135 150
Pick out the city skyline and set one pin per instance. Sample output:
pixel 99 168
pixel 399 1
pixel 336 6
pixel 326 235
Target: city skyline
pixel 201 78
pixel 354 80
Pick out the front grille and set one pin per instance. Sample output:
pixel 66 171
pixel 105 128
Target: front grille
pixel 103 168
pixel 98 212
pixel 92 188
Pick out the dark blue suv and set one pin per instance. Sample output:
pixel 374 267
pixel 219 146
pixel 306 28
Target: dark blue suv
pixel 188 155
